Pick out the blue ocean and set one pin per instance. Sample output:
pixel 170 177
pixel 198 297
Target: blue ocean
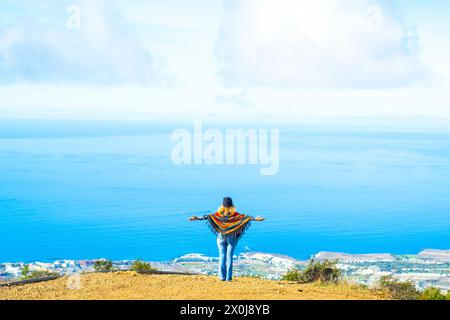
pixel 86 190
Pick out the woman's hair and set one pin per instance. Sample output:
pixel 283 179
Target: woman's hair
pixel 227 202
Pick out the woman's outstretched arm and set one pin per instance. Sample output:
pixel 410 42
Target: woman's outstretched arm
pixel 195 218
pixel 259 219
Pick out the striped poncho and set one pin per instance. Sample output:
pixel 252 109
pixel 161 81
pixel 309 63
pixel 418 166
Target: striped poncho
pixel 228 221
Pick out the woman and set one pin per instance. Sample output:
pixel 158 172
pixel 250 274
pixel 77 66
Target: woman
pixel 230 226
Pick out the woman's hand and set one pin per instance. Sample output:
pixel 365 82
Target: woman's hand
pixel 194 218
pixel 259 219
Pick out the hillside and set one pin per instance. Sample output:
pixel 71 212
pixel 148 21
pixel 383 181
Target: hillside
pixel 129 285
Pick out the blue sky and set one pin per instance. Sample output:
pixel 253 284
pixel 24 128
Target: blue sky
pixel 287 60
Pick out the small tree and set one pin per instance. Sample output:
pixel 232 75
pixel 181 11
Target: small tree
pixel 432 293
pixel 325 272
pixel 399 290
pixel 26 274
pixel 140 265
pixel 293 275
pixel 25 270
pixel 103 265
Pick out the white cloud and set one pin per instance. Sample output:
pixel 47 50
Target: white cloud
pixel 320 43
pixel 102 51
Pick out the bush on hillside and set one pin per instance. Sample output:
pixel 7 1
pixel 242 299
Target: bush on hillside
pixel 25 270
pixel 432 293
pixel 140 265
pixel 293 275
pixel 399 290
pixel 325 272
pixel 27 275
pixel 103 265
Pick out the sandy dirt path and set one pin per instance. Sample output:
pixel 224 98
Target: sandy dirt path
pixel 130 285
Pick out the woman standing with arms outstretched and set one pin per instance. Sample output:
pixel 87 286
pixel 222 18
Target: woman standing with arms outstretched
pixel 230 226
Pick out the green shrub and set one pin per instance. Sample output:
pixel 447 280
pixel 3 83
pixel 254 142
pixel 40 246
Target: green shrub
pixel 432 293
pixel 293 275
pixel 324 272
pixel 25 270
pixel 140 265
pixel 103 265
pixel 399 290
pixel 27 275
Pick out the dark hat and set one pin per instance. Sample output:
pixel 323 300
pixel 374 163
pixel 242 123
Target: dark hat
pixel 227 202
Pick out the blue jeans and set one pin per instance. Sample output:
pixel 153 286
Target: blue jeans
pixel 226 245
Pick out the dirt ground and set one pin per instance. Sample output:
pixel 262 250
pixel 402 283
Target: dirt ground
pixel 130 285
